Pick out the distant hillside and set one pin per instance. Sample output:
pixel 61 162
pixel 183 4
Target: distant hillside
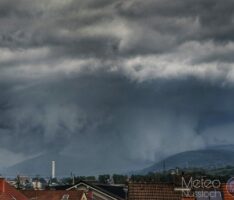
pixel 213 157
pixel 41 165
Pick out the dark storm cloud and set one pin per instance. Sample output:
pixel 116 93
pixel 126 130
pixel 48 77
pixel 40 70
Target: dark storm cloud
pixel 91 75
pixel 115 27
pixel 215 17
pixel 107 110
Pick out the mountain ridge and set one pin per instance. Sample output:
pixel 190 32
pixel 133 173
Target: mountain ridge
pixel 211 157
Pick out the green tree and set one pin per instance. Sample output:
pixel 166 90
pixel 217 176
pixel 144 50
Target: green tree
pixel 119 179
pixel 104 178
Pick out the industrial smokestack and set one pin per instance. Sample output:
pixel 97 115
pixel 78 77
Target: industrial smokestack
pixel 53 169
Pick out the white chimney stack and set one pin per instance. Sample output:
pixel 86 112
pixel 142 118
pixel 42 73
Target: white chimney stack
pixel 53 169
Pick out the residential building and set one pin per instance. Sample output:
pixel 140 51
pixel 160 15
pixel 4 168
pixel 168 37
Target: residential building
pixel 101 191
pixel 8 192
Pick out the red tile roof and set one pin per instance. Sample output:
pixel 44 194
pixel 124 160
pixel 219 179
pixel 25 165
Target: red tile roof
pixel 53 194
pixel 188 198
pixel 4 196
pixel 226 194
pixel 152 191
pixel 7 192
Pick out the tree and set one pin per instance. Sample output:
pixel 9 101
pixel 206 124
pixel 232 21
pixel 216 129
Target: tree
pixel 104 178
pixel 120 179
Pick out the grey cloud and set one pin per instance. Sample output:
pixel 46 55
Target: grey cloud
pixel 75 112
pixel 119 74
pixel 151 27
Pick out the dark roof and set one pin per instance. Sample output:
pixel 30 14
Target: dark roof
pixel 59 187
pixel 113 189
pixel 152 191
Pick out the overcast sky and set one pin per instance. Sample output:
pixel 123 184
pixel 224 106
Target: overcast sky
pixel 117 79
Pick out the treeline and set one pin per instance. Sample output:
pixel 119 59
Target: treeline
pixel 103 179
pixel 223 174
